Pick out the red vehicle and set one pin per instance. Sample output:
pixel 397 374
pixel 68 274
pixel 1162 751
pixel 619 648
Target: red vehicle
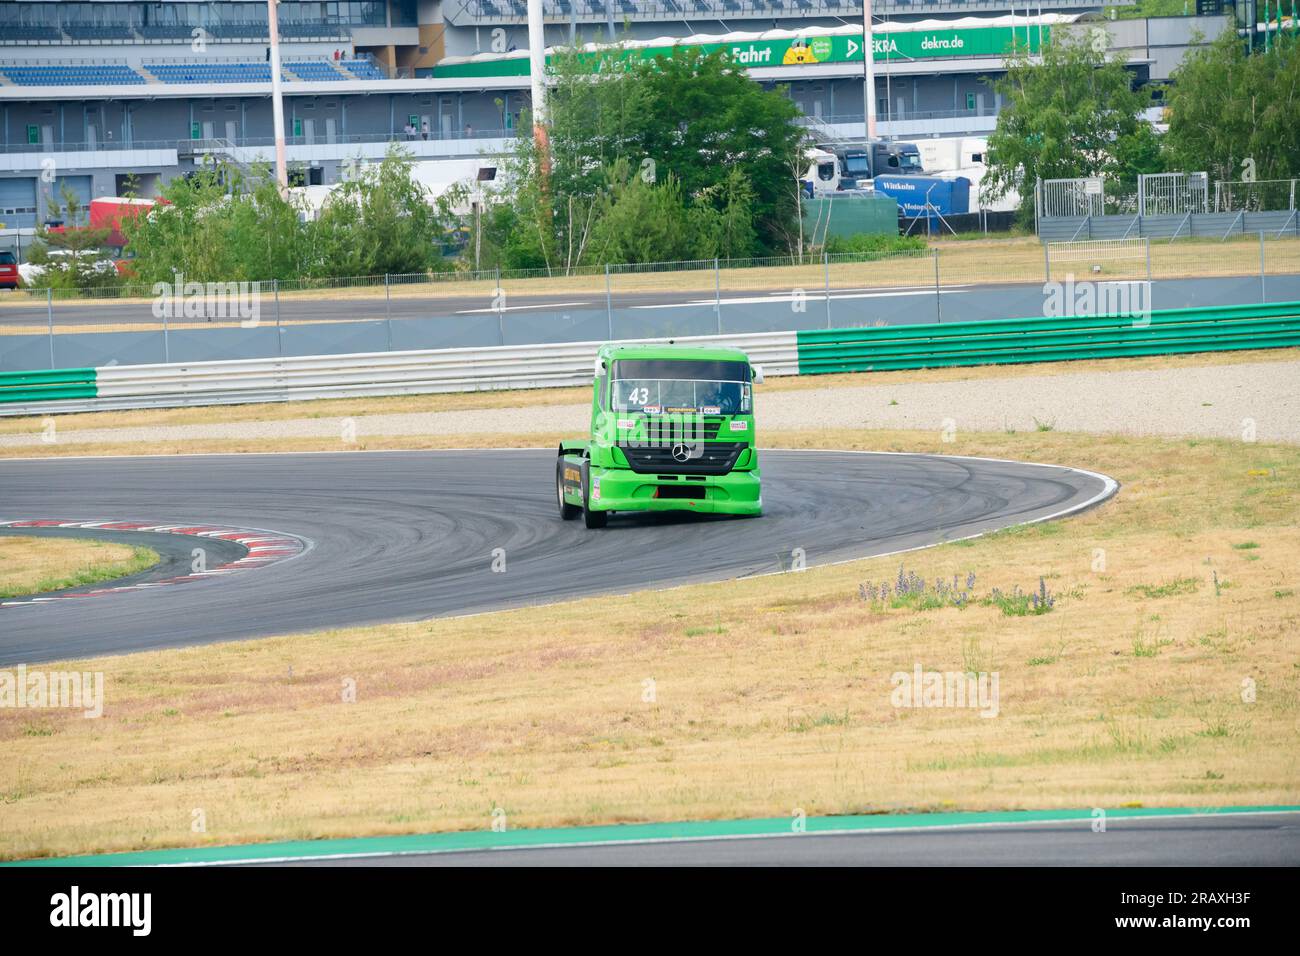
pixel 9 270
pixel 108 213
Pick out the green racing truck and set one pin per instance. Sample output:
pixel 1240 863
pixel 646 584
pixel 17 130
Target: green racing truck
pixel 672 429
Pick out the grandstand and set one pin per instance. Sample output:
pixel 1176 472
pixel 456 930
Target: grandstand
pixel 154 88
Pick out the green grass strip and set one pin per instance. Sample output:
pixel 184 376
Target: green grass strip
pixel 141 559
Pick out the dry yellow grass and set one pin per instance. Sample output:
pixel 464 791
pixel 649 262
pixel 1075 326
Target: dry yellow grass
pixel 32 565
pixel 460 401
pixel 768 693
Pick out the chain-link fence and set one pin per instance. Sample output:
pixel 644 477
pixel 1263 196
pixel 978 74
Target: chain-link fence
pixel 1173 194
pixel 1164 206
pixel 1255 196
pixel 958 280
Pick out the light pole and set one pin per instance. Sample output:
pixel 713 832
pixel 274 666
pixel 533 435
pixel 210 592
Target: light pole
pixel 537 77
pixel 868 71
pixel 277 99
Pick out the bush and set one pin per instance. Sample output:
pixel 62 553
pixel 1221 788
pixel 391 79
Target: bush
pixel 874 244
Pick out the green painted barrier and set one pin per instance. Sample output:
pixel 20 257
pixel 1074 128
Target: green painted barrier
pixel 417 843
pixel 48 385
pixel 1013 341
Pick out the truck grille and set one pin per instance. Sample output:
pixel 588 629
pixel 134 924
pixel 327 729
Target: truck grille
pixel 682 428
pixel 713 458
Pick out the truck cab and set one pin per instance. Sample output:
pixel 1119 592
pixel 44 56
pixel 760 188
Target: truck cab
pixel 902 159
pixel 672 429
pixel 854 165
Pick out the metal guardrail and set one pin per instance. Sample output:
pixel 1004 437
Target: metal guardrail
pixel 309 377
pixel 1210 329
pixel 47 385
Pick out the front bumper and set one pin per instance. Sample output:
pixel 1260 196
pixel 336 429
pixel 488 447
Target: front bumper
pixel 621 489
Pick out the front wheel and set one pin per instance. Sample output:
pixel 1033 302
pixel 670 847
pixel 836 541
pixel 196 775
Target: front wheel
pixel 592 519
pixel 567 511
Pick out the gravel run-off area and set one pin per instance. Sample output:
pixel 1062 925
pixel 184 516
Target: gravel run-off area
pixel 1255 401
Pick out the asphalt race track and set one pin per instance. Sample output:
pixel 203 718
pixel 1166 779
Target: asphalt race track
pixel 400 536
pixel 1266 839
pixel 765 308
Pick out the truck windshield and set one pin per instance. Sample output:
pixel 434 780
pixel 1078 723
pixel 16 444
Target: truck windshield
pixel 909 162
pixel 665 386
pixel 855 164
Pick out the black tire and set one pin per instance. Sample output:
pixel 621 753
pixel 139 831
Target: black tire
pixel 592 519
pixel 567 511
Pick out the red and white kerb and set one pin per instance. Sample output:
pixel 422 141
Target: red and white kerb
pixel 264 548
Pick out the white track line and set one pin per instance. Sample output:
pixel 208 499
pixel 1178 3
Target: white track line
pixel 865 831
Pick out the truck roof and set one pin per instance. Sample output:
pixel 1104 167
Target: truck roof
pixel 668 351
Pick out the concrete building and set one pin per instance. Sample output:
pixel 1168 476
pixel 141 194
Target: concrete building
pixel 94 95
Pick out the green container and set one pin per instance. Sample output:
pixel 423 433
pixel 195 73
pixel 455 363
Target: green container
pixel 849 215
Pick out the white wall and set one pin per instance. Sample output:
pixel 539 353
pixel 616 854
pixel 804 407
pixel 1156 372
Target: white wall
pixel 88 159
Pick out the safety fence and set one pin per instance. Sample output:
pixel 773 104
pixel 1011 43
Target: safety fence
pixel 958 281
pixel 1164 206
pixel 568 364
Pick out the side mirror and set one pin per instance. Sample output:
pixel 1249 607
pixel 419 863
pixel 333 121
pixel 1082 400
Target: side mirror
pixel 758 375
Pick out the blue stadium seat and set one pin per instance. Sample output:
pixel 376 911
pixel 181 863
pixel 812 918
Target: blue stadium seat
pixel 72 75
pixel 20 32
pixel 201 72
pixel 166 31
pixel 363 70
pixel 95 31
pixel 314 70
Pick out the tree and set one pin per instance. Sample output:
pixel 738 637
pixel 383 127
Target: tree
pixel 690 137
pixel 223 224
pixel 708 119
pixel 70 256
pixel 1151 8
pixel 1236 115
pixel 544 219
pixel 722 219
pixel 640 221
pixel 220 225
pixel 1073 115
pixel 379 222
pixel 1139 154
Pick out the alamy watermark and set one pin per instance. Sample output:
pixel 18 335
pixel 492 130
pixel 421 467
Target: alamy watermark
pixel 1124 298
pixel 208 300
pixel 75 690
pixel 129 910
pixel 922 688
